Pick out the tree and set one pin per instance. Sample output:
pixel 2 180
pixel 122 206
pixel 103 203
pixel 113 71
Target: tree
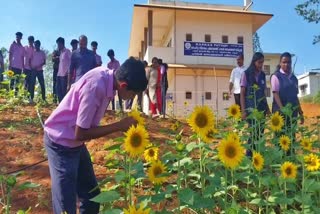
pixel 256 43
pixel 5 54
pixel 309 10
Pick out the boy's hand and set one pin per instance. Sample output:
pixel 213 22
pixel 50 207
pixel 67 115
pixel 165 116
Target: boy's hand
pixel 126 123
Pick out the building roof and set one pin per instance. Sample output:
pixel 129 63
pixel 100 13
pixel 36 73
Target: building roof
pixel 140 19
pixel 310 73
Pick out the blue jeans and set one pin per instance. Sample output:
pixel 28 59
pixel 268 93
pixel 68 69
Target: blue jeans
pixel 61 87
pixel 34 76
pixel 72 177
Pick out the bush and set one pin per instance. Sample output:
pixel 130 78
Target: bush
pixel 307 99
pixel 316 98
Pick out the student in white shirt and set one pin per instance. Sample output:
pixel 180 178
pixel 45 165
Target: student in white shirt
pixel 235 77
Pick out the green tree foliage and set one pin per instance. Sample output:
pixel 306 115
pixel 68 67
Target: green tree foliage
pixel 309 10
pixel 5 53
pixel 256 43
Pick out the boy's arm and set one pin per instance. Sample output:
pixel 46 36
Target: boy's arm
pixel 100 131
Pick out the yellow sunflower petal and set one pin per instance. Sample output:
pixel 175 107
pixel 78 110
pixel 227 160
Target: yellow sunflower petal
pixel 234 111
pixel 155 172
pixel 201 120
pixel 306 144
pixel 288 170
pixel 137 139
pixel 257 161
pixel 230 152
pixel 137 116
pixel 276 122
pixel 312 162
pixel 151 154
pixel 285 142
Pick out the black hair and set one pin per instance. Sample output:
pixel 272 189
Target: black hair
pixel 133 73
pixel 60 40
pixel 84 37
pixel 37 42
pixel 256 56
pixel 241 56
pixel 160 61
pixel 145 63
pixel 74 41
pixel 110 52
pixel 165 66
pixel 154 58
pixel 285 54
pixel 19 34
pixel 31 38
pixel 94 44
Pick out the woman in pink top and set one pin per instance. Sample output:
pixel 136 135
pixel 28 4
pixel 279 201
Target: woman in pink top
pixel 75 121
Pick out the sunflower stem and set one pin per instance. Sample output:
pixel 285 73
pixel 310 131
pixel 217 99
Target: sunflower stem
pixel 126 176
pixel 285 194
pixel 260 196
pixel 201 166
pixel 179 184
pixel 226 189
pixel 302 188
pixel 130 186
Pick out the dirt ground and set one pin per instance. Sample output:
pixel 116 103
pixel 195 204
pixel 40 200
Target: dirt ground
pixel 21 145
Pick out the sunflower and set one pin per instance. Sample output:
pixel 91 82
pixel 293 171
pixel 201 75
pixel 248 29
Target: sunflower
pixel 257 161
pixel 276 122
pixel 284 142
pixel 289 170
pixel 151 154
pixel 10 73
pixel 230 152
pixel 312 162
pixel 137 139
pixel 306 144
pixel 201 120
pixel 185 104
pixel 233 136
pixel 133 210
pixel 208 138
pixel 156 171
pixel 136 115
pixel 234 111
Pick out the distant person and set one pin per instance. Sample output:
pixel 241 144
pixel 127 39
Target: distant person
pixel 82 60
pixel 94 47
pixel 38 60
pixel 252 96
pixel 75 121
pixel 284 86
pixel 74 44
pixel 55 61
pixel 1 66
pixel 164 87
pixel 235 77
pixel 64 65
pixel 114 65
pixel 29 49
pixel 16 58
pixel 154 76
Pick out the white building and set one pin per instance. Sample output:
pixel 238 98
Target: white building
pixel 200 42
pixel 309 83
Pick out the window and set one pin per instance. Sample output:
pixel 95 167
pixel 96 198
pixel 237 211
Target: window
pixel 225 39
pixel 303 89
pixel 266 69
pixel 225 95
pixel 189 37
pixel 240 39
pixel 188 95
pixel 208 95
pixel 207 38
pixel 268 92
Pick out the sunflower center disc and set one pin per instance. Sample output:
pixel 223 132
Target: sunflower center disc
pixel 157 171
pixel 201 120
pixel 230 152
pixel 136 140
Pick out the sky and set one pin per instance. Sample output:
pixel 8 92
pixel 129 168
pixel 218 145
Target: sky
pixel 109 23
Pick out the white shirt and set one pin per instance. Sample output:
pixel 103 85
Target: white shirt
pixel 235 78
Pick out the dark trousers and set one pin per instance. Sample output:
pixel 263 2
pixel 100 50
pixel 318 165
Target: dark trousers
pixel 15 81
pixel 1 74
pixel 163 97
pixel 72 177
pixel 61 87
pixel 54 81
pixel 140 96
pixel 114 105
pixel 237 99
pixel 37 75
pixel 27 79
pixel 129 103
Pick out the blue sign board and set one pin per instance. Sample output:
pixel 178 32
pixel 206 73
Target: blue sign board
pixel 212 49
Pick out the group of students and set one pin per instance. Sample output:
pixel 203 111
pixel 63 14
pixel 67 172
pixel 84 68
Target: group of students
pixel 249 86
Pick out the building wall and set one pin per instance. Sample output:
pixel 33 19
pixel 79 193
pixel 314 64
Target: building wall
pixel 304 81
pixel 216 25
pixel 312 83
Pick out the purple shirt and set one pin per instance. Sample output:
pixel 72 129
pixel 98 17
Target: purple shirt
pixel 243 82
pixel 38 60
pixel 114 65
pixel 17 55
pixel 64 62
pixel 83 106
pixel 275 85
pixel 28 51
pixel 98 59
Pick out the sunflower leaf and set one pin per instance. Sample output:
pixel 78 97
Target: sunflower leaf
pixel 114 147
pixel 187 196
pixel 112 211
pixel 105 197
